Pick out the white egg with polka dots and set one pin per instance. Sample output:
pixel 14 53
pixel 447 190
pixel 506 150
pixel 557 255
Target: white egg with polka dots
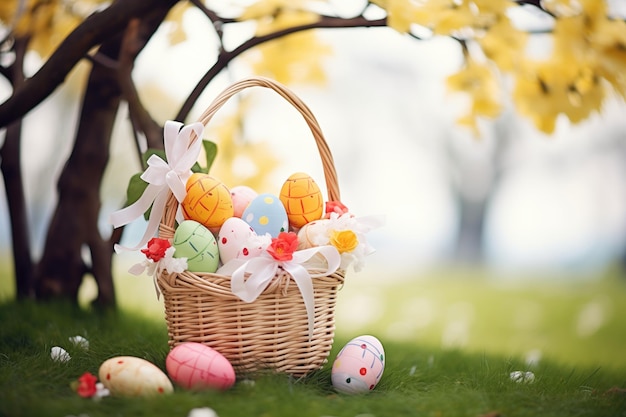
pixel 359 365
pixel 237 240
pixel 266 214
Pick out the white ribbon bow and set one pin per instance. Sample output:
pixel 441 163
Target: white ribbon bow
pixel 162 176
pixel 263 268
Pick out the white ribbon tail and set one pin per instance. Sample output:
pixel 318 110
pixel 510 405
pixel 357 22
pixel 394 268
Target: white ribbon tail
pixel 138 208
pixel 305 285
pixel 153 222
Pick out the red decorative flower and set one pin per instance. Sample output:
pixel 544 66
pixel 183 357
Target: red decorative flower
pixel 283 246
pixel 156 249
pixel 87 385
pixel 335 207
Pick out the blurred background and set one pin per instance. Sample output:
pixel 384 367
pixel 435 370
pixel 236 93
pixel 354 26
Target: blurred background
pixel 512 232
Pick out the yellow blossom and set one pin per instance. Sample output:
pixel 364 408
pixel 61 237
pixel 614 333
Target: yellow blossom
pixel 344 240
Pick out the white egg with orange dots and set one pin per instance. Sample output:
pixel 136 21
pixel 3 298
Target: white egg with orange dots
pixel 196 366
pixel 208 201
pixel 302 199
pixel 129 376
pixel 266 214
pixel 359 365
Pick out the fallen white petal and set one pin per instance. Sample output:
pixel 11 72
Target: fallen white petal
pixel 80 342
pixel 519 376
pixel 101 391
pixel 529 377
pixel 202 412
pixel 58 354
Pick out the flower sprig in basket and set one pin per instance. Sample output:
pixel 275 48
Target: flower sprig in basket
pixel 258 285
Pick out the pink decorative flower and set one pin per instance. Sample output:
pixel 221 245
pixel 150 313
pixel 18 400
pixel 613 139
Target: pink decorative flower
pixel 335 207
pixel 87 385
pixel 283 246
pixel 156 249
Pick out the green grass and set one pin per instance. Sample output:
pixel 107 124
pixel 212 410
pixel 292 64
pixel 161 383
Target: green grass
pixel 452 337
pixel 417 380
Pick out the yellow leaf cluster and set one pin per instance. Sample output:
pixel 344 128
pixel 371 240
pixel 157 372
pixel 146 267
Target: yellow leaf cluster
pixel 589 53
pixel 46 22
pixel 177 33
pixel 293 58
pixel 553 87
pixel 451 17
pixel 479 82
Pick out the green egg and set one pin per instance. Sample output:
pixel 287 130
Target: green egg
pixel 195 242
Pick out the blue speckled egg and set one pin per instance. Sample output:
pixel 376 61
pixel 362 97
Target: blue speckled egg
pixel 195 242
pixel 266 214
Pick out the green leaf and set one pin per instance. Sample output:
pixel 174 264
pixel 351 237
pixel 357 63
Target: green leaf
pixel 210 150
pixel 136 187
pixel 197 168
pixel 147 154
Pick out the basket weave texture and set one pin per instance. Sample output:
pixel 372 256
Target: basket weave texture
pixel 272 332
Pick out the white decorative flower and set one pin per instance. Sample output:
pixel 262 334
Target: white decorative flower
pixel 101 391
pixel 80 342
pixel 347 233
pixel 520 376
pixel 58 354
pixel 202 412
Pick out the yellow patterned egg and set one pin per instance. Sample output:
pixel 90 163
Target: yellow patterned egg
pixel 302 199
pixel 208 201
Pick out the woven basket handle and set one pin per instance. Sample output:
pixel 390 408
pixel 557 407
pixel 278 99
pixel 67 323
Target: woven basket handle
pixel 328 164
pixel 166 228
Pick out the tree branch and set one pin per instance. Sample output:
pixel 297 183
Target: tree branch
pixel 132 44
pixel 225 57
pixel 91 32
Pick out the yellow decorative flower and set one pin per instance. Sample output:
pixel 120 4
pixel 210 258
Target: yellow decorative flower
pixel 344 240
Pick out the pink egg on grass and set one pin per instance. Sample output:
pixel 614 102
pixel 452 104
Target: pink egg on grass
pixel 196 366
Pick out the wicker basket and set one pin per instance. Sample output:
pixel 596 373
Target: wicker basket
pixel 273 331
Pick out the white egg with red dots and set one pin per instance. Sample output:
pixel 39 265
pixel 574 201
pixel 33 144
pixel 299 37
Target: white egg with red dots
pixel 266 214
pixel 237 240
pixel 359 365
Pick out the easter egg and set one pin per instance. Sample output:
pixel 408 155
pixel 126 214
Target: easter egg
pixel 359 365
pixel 196 243
pixel 196 366
pixel 313 234
pixel 208 201
pixel 266 214
pixel 241 195
pixel 237 239
pixel 302 199
pixel 129 376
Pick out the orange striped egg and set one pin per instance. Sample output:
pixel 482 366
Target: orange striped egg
pixel 302 199
pixel 208 201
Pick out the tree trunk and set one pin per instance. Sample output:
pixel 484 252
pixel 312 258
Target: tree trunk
pixel 10 165
pixel 74 226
